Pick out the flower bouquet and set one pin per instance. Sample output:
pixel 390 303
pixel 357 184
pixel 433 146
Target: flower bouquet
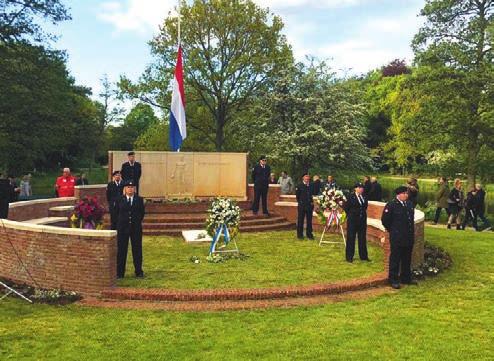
pixel 223 211
pixel 87 214
pixel 330 210
pixel 223 219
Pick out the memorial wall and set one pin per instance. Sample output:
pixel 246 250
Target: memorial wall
pixel 187 174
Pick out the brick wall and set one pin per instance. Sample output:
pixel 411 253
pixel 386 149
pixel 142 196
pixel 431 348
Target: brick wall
pixel 22 211
pixel 71 259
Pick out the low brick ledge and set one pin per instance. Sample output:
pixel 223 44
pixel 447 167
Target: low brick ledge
pixel 159 294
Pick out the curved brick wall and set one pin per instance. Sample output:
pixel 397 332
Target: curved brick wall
pixel 71 259
pixel 25 210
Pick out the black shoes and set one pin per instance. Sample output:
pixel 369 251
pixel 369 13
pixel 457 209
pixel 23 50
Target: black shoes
pixel 349 260
pixel 396 286
pixel 140 275
pixel 310 237
pixel 366 259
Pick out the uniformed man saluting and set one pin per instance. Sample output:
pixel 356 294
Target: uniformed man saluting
pixel 398 219
pixel 130 210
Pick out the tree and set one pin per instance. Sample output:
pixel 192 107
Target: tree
pixel 44 116
pixel 135 124
pixel 232 49
pixel 314 120
pixel 396 67
pixel 19 19
pixel 453 92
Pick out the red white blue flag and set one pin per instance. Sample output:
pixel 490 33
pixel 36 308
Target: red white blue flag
pixel 177 110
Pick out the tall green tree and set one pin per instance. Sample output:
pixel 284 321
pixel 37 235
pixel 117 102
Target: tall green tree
pixel 42 112
pixel 19 19
pixel 314 120
pixel 452 92
pixel 136 123
pixel 232 50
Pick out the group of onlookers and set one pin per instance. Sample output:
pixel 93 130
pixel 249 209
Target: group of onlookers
pixel 456 205
pixel 372 188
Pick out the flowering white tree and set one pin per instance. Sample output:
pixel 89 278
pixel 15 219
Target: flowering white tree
pixel 314 119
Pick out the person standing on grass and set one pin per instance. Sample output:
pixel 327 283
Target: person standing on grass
pixel 25 186
pixel 82 180
pixel 398 220
pixel 470 209
pixel 376 191
pixel 130 210
pixel 481 206
pixel 6 196
pixel 441 199
pixel 367 186
pixel 65 184
pixel 455 204
pixel 413 191
pixel 356 210
pixel 286 183
pixel 305 207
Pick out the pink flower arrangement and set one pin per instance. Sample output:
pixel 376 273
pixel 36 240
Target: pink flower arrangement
pixel 88 213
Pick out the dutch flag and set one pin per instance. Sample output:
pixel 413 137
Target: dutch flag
pixel 177 111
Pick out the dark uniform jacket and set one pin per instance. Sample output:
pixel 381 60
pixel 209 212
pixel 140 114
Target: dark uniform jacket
pixel 353 208
pixel 113 192
pixel 304 195
pixel 471 201
pixel 129 216
pixel 132 173
pixel 260 176
pixel 480 196
pixel 376 192
pixel 399 222
pixel 6 196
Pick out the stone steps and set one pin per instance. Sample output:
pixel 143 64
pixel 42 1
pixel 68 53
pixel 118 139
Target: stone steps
pixel 243 228
pixel 188 224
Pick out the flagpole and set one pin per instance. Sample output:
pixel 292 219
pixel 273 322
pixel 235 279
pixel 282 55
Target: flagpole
pixel 178 38
pixel 179 23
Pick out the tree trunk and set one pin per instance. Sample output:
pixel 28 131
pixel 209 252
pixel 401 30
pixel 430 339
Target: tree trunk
pixel 472 162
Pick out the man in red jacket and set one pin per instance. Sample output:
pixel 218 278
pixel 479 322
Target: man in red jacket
pixel 65 184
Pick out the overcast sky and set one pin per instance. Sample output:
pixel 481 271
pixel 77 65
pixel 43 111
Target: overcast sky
pixel 111 36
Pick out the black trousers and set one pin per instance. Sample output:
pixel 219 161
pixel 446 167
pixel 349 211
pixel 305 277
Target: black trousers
pixel 356 227
pixel 260 193
pixel 470 215
pixel 400 260
pixel 135 234
pixel 304 214
pixel 113 218
pixel 438 213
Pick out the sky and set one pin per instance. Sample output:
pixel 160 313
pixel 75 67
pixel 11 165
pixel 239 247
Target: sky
pixel 111 36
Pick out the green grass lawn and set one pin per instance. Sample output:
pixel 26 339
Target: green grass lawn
pixel 275 259
pixel 446 318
